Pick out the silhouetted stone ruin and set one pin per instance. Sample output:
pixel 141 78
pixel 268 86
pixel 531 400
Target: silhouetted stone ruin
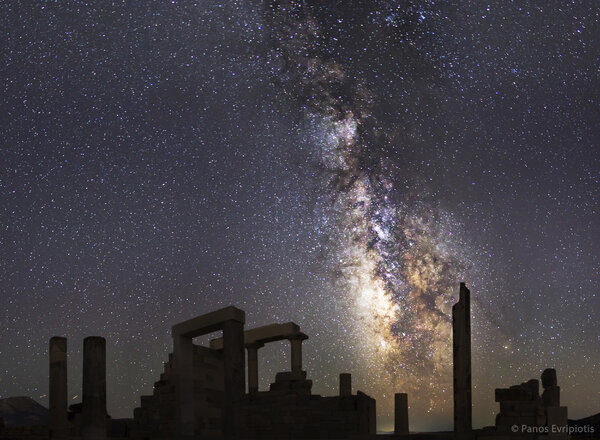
pixel 401 414
pixel 93 402
pixel 345 384
pixel 201 393
pixel 88 419
pixel 461 348
pixel 58 426
pixel 523 411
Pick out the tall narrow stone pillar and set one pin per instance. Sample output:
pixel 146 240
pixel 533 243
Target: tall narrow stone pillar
pixel 58 424
pixel 253 368
pixel 183 358
pixel 345 384
pixel 296 343
pixel 401 414
pixel 234 365
pixel 93 412
pixel 461 341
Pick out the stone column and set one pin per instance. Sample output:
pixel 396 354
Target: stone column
pixel 551 394
pixel 401 414
pixel 183 359
pixel 58 424
pixel 234 366
pixel 345 384
pixel 296 343
pixel 253 368
pixel 93 412
pixel 461 341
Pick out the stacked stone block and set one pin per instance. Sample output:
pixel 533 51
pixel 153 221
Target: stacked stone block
pixel 521 406
pixel 216 406
pixel 287 416
pixel 157 415
pixel 290 382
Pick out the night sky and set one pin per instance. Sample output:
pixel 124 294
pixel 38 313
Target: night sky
pixel 342 165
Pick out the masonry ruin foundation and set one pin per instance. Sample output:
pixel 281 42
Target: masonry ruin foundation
pixel 523 407
pixel 201 392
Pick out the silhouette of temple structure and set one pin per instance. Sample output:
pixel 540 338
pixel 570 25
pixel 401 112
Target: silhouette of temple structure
pixel 201 393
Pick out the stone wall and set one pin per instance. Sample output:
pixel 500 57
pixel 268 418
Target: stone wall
pixel 214 404
pixel 288 416
pixel 157 417
pixel 524 411
pixel 288 410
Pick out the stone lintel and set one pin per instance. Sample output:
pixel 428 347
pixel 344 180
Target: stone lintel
pixel 265 334
pixel 209 322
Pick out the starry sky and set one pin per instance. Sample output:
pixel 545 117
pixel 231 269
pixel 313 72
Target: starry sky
pixel 342 165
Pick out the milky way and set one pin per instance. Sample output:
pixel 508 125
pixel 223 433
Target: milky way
pixel 342 167
pixel 397 262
